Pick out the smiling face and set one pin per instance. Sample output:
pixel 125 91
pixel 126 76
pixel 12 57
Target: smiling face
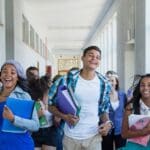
pixel 113 81
pixel 9 76
pixel 91 59
pixel 145 88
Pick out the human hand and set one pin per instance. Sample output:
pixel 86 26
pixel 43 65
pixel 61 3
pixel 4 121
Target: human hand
pixel 57 121
pixel 146 130
pixel 105 128
pixel 41 112
pixel 71 119
pixel 7 113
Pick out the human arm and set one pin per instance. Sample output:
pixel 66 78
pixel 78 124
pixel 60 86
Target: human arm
pixel 70 119
pixel 29 124
pixel 52 101
pixel 106 124
pixel 129 133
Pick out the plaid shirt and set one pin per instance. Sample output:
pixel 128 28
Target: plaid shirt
pixel 70 80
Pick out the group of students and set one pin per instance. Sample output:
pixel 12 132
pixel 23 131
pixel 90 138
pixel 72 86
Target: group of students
pixel 103 117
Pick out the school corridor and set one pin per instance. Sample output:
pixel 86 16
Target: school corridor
pixel 51 34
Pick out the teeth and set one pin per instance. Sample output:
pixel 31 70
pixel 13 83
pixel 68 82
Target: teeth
pixel 146 92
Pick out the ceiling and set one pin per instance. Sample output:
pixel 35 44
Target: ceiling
pixel 68 24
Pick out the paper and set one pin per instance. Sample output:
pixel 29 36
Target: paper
pixel 21 108
pixel 137 122
pixel 133 118
pixel 66 94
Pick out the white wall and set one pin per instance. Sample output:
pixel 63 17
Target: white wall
pixel 129 66
pixel 2 45
pixel 2 33
pixel 23 53
pixel 119 6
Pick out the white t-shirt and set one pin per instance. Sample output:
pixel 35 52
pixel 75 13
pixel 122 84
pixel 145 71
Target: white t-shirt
pixel 114 104
pixel 87 92
pixel 144 109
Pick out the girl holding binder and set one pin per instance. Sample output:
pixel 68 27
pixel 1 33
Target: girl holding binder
pixel 139 105
pixel 14 86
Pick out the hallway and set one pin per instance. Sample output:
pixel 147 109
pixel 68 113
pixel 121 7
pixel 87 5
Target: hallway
pixel 52 34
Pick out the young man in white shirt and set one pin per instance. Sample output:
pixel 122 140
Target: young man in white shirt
pixel 91 90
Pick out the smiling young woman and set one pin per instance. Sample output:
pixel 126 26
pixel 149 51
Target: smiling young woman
pixel 14 85
pixel 139 105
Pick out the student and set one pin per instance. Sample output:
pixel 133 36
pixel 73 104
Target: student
pixel 32 73
pixel 140 105
pixel 118 100
pixel 14 86
pixel 91 90
pixel 45 138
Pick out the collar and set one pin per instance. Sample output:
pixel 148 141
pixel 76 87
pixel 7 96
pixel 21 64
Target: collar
pixel 144 108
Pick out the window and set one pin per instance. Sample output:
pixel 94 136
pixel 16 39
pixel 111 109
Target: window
pixel 1 12
pixel 25 30
pixel 108 42
pixel 66 64
pixel 41 47
pixel 32 37
pixel 37 42
pixel 43 52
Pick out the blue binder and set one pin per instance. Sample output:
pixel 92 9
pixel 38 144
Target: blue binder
pixel 21 108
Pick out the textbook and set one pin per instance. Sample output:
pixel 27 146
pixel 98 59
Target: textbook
pixel 21 108
pixel 137 122
pixel 66 101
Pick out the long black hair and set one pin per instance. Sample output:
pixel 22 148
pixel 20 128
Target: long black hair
pixel 135 100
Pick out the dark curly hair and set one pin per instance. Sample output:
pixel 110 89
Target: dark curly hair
pixel 38 87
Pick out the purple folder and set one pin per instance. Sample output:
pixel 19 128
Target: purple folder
pixel 64 101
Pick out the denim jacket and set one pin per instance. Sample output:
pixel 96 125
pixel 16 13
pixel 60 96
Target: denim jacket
pixel 32 124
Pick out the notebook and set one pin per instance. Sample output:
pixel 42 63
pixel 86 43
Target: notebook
pixel 21 108
pixel 66 103
pixel 139 122
pixel 42 119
